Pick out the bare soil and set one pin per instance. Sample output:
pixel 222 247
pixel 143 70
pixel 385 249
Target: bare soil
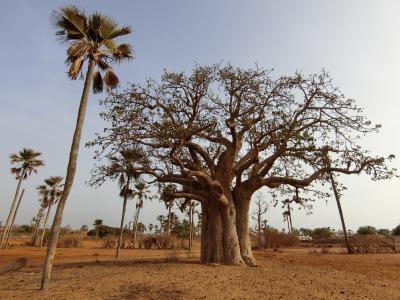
pixel 93 273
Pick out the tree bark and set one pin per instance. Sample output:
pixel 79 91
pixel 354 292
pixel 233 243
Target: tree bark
pixel 44 226
pixel 12 210
pixel 190 227
pixel 121 228
pixel 15 214
pixel 69 178
pixel 35 234
pixel 136 225
pixel 337 197
pixel 211 234
pixel 242 203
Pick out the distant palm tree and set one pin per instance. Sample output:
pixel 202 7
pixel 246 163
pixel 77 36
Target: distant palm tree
pixel 123 167
pixel 151 226
pixel 98 223
pixel 38 220
pixel 51 192
pixel 27 163
pixel 90 39
pixel 142 193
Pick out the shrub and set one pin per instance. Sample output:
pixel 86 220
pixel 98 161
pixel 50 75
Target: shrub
pixel 275 239
pixel 366 230
pixel 372 243
pixel 68 241
pixel 322 233
pixel 109 243
pixel 396 230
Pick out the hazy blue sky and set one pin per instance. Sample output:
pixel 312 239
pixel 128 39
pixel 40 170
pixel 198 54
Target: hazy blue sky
pixel 358 42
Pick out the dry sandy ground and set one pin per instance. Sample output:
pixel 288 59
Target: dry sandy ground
pixel 291 274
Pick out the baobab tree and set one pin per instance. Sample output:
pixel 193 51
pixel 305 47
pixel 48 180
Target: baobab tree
pixel 223 133
pixel 26 162
pixel 121 168
pixel 91 40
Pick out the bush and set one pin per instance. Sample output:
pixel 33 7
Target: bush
pixel 322 233
pixel 109 244
pixel 275 239
pixel 366 230
pixel 372 243
pixel 68 241
pixel 396 230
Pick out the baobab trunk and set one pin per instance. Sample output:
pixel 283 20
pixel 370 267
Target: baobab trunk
pixel 44 226
pixel 211 234
pixel 121 228
pixel 69 178
pixel 242 203
pixel 15 214
pixel 337 197
pixel 12 210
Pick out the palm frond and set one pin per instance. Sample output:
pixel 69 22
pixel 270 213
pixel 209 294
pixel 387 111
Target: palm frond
pixel 71 22
pixel 97 83
pixel 110 79
pixel 75 68
pixel 123 51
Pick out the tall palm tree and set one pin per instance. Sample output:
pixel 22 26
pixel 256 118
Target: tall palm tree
pixel 123 167
pixel 38 220
pixel 142 193
pixel 93 40
pixel 15 214
pixel 26 162
pixel 50 192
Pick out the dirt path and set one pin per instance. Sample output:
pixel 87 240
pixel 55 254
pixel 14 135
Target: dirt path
pixel 287 275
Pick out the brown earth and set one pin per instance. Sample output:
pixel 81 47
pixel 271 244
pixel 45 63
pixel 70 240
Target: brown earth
pixel 93 273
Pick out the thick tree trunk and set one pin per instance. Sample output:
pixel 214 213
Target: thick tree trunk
pixel 121 228
pixel 15 214
pixel 44 227
pixel 69 178
pixel 232 255
pixel 242 203
pixel 337 197
pixel 12 210
pixel 211 234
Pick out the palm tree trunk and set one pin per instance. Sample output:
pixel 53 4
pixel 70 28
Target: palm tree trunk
pixel 337 197
pixel 15 214
pixel 44 226
pixel 290 218
pixel 169 218
pixel 35 234
pixel 12 209
pixel 136 226
pixel 190 228
pixel 69 178
pixel 121 228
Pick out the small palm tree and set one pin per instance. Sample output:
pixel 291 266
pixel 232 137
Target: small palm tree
pixel 50 193
pixel 142 193
pixel 93 40
pixel 98 223
pixel 27 163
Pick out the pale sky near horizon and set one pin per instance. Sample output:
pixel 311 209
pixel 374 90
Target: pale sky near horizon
pixel 358 42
